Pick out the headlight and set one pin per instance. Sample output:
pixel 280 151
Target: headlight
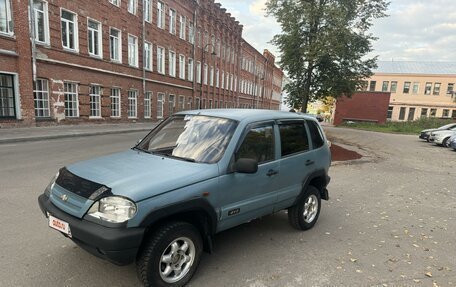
pixel 50 186
pixel 113 209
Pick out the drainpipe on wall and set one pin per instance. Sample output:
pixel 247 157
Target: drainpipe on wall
pixel 32 38
pixel 143 53
pixel 194 55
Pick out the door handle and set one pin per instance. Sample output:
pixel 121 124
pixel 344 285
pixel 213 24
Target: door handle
pixel 309 162
pixel 272 172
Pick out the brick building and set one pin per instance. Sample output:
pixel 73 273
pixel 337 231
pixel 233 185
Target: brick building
pixel 69 62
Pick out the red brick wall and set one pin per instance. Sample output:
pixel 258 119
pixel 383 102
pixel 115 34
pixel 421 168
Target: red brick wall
pixel 362 106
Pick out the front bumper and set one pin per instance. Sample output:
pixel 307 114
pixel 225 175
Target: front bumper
pixel 117 245
pixel 424 136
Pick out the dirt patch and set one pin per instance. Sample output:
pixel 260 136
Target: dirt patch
pixel 339 153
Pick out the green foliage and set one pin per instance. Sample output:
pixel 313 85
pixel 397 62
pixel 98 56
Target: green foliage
pixel 324 44
pixel 414 127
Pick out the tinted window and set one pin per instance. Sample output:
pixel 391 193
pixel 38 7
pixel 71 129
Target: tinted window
pixel 258 144
pixel 315 134
pixel 293 138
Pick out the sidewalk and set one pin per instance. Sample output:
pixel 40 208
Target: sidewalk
pixel 14 135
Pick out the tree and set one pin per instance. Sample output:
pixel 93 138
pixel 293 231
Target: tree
pixel 324 46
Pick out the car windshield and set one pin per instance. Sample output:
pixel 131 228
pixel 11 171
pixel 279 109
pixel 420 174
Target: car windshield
pixel 448 126
pixel 190 137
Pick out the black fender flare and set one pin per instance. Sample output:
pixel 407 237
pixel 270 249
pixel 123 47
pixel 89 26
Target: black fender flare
pixel 325 181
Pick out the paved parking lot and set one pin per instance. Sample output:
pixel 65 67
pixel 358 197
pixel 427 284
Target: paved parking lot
pixel 390 222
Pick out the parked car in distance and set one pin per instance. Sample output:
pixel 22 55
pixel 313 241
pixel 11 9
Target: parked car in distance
pixel 426 133
pixel 196 174
pixel 441 137
pixel 452 142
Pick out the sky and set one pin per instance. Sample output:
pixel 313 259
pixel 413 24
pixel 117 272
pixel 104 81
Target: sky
pixel 416 30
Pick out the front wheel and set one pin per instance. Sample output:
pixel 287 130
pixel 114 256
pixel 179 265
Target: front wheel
pixel 305 213
pixel 170 256
pixel 445 142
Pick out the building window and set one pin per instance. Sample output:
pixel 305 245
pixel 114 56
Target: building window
pixel 199 38
pixel 171 104
pixel 411 114
pixel 6 19
pixel 424 112
pixel 172 21
pixel 211 77
pixel 445 113
pixel 161 60
pixel 205 74
pixel 372 86
pixel 147 11
pixel 132 104
pixel 433 113
pixel 41 96
pixel 210 104
pixel 191 33
pixel 453 114
pixel 115 2
pixel 160 100
pixel 161 15
pixel 94 38
pixel 182 67
pixel 402 114
pixel 115 103
pixel 132 6
pixel 198 72
pixel 217 78
pixel 148 56
pixel 450 89
pixel 115 45
pixel 428 88
pixel 406 87
pixel 223 79
pixel 69 30
pixel 393 87
pixel 190 70
pixel 389 115
pixel 132 51
pixel 181 103
pixel 95 101
pixel 189 103
pixel 416 88
pixel 172 64
pixel 197 103
pixel 147 105
pixel 182 27
pixel 40 10
pixel 71 100
pixel 437 89
pixel 385 86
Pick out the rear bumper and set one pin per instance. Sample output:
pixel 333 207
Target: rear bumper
pixel 117 245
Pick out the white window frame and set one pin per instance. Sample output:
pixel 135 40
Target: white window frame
pixel 223 80
pixel 181 105
pixel 75 30
pixel 132 6
pixel 191 33
pixel 211 76
pixel 217 78
pixel 99 42
pixel 95 102
pixel 118 43
pixel 148 56
pixel 133 48
pixel 74 94
pixel 116 110
pixel 190 69
pixel 171 104
pixel 45 13
pixel 148 105
pixel 132 111
pixel 41 99
pixel 182 26
pixel 205 74
pixel 198 72
pixel 172 21
pixel 160 60
pixel 172 63
pixel 115 2
pixel 9 20
pixel 160 105
pixel 147 10
pixel 182 66
pixel 160 14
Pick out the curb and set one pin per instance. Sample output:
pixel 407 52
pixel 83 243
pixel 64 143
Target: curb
pixel 61 136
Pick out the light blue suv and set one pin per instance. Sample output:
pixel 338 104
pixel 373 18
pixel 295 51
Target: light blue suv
pixel 160 203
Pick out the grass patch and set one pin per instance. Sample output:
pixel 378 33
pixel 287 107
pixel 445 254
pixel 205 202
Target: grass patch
pixel 401 127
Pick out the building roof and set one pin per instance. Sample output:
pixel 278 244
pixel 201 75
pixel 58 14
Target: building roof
pixel 415 67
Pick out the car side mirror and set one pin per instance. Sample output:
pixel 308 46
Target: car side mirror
pixel 246 165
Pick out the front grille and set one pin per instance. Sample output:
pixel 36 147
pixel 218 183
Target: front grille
pixel 77 185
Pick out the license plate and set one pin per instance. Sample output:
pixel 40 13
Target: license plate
pixel 59 225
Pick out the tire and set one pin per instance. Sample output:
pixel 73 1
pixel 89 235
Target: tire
pixel 172 247
pixel 445 142
pixel 310 203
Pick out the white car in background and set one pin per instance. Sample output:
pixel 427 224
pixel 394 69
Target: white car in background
pixel 441 137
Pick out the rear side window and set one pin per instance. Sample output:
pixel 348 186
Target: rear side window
pixel 315 134
pixel 293 138
pixel 258 144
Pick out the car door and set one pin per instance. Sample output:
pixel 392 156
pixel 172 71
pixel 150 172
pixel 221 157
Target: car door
pixel 248 196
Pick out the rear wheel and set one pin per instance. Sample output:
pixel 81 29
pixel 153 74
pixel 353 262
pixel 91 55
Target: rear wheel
pixel 170 256
pixel 305 213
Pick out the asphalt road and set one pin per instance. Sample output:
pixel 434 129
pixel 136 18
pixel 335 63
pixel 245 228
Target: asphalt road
pixel 390 222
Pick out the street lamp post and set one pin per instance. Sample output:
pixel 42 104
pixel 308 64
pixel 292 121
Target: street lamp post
pixel 202 69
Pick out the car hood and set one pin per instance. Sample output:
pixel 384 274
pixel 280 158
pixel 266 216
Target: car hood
pixel 429 130
pixel 138 175
pixel 443 132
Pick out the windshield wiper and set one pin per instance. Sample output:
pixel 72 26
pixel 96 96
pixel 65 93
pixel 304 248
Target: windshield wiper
pixel 176 157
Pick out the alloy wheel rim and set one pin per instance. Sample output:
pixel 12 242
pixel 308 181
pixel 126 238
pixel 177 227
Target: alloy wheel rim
pixel 177 259
pixel 310 208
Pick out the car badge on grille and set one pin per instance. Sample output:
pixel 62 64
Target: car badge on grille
pixel 64 197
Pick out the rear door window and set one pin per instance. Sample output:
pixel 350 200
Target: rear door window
pixel 315 134
pixel 293 138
